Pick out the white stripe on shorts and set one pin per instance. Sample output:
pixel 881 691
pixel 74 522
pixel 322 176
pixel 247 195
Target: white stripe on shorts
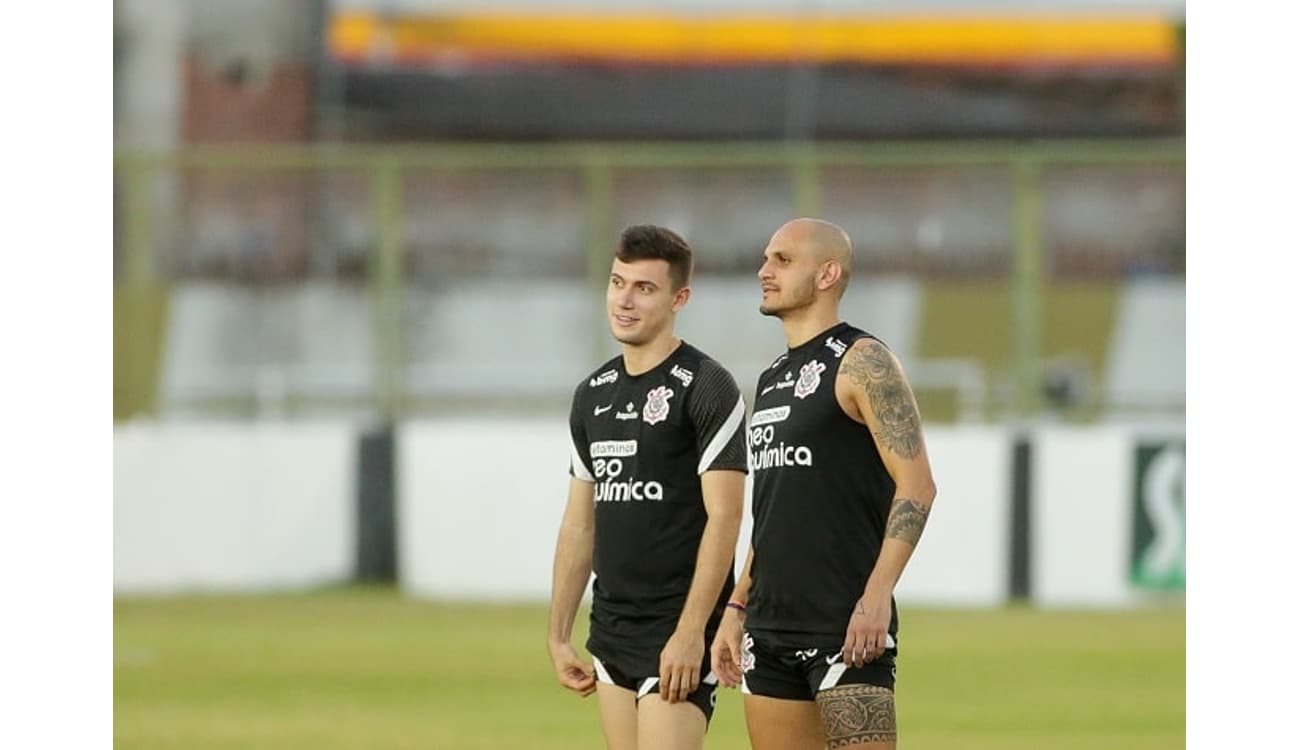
pixel 833 676
pixel 837 669
pixel 601 673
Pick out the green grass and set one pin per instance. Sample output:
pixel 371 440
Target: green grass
pixel 368 668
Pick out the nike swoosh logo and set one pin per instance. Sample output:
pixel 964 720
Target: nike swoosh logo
pixel 602 409
pixel 831 659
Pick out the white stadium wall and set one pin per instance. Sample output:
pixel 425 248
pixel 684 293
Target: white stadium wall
pixel 211 506
pixel 1078 531
pixel 962 558
pixel 1108 515
pixel 481 531
pixel 478 506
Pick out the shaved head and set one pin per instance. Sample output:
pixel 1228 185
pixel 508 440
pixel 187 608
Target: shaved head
pixel 824 241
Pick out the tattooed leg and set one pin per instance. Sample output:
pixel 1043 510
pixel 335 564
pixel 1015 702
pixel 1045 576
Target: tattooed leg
pixel 858 716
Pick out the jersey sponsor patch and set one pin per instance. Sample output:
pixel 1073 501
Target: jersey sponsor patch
pixel 605 378
pixel 614 491
pixel 837 346
pixel 656 404
pixel 768 416
pixel 810 376
pixel 606 448
pixel 788 382
pixel 682 374
pixel 766 454
pixel 629 412
pixel 613 487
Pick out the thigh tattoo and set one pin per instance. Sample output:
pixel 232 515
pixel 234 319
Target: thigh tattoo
pixel 857 713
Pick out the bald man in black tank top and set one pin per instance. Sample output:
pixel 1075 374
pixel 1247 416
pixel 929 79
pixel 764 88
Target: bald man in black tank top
pixel 842 492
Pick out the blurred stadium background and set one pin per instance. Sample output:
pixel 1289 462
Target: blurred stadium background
pixel 358 254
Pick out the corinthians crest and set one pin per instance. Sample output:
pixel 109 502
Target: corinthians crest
pixel 656 404
pixel 810 376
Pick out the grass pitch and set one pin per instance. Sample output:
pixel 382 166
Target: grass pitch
pixel 370 669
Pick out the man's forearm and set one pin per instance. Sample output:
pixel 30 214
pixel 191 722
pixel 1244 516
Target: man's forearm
pixel 715 558
pixel 569 577
pixel 907 519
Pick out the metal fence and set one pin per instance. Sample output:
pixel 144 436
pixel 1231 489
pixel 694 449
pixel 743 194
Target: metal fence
pixel 417 252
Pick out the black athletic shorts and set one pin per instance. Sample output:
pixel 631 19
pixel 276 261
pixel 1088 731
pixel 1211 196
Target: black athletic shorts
pixel 773 666
pixel 610 672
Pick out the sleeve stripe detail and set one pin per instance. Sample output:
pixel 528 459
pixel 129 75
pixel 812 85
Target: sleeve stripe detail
pixel 580 469
pixel 723 435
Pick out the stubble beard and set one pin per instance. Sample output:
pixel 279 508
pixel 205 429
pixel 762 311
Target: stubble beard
pixel 772 310
pixel 803 298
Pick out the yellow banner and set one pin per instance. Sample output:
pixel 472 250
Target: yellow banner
pixel 978 40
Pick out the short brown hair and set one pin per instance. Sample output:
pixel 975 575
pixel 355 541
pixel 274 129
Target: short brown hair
pixel 650 242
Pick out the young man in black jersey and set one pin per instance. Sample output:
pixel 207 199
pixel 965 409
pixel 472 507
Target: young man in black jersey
pixel 842 491
pixel 655 503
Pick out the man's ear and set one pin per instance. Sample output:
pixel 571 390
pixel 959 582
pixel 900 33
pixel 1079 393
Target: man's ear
pixel 829 275
pixel 680 299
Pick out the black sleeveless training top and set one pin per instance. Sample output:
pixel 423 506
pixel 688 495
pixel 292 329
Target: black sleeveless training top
pixel 821 498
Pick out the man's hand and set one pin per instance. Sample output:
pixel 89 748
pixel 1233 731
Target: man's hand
pixel 679 665
pixel 865 638
pixel 572 672
pixel 726 650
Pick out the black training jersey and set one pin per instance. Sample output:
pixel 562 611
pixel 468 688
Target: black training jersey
pixel 644 441
pixel 821 497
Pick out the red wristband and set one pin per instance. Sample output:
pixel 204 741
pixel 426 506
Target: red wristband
pixel 736 606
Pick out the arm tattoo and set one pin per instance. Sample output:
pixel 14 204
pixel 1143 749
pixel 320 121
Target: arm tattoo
pixel 872 367
pixel 907 520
